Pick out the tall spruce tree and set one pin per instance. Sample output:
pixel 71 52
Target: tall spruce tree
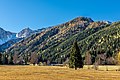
pixel 75 60
pixel 4 59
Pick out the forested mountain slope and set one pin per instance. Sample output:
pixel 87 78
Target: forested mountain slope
pixel 54 43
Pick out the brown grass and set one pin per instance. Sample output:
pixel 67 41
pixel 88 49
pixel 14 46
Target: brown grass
pixel 54 73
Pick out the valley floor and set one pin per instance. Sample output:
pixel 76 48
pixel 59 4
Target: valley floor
pixel 54 73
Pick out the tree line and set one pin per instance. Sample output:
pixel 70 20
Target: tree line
pixel 76 60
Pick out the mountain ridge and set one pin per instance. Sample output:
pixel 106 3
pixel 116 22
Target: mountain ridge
pixel 26 32
pixel 6 35
pixel 53 44
pixel 46 43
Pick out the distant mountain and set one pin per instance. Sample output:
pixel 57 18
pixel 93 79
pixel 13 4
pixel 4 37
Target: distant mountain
pixel 28 32
pixel 6 36
pixel 18 37
pixel 40 30
pixel 24 33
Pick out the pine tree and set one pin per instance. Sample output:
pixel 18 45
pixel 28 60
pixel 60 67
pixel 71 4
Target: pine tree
pixel 75 60
pixel 0 58
pixel 4 59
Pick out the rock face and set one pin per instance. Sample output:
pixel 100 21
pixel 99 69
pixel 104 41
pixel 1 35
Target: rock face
pixel 28 32
pixel 6 36
pixel 24 33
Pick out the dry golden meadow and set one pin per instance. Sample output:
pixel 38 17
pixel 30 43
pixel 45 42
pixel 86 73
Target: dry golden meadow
pixel 55 73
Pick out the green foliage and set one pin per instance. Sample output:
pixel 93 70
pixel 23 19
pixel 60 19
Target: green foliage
pixel 106 41
pixel 4 59
pixel 63 48
pixel 75 60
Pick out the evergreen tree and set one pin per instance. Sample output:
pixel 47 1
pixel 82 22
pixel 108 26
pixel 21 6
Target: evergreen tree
pixel 0 58
pixel 4 59
pixel 75 60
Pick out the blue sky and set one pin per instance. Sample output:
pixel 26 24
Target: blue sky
pixel 18 14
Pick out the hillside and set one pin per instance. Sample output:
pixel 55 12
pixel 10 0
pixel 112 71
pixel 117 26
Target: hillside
pixel 62 50
pixel 102 40
pixel 9 43
pixel 54 43
pixel 54 34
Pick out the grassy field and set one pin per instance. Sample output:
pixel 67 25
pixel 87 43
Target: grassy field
pixel 54 73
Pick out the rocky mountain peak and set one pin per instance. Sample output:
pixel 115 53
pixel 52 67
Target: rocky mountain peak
pixel 81 19
pixel 6 35
pixel 24 33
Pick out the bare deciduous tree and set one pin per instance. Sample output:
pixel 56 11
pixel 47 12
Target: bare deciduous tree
pixel 34 58
pixel 88 59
